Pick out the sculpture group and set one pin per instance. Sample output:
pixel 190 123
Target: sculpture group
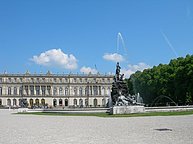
pixel 120 93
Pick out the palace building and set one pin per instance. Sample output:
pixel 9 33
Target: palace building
pixel 54 90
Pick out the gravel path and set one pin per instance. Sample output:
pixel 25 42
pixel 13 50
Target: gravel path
pixel 32 129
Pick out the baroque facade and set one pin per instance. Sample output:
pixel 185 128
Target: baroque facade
pixel 52 90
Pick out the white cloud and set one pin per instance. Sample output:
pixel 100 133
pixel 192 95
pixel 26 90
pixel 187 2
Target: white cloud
pixel 133 68
pixel 87 70
pixel 115 57
pixel 56 58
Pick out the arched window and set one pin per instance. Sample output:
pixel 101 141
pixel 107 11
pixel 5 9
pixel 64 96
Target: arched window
pixel 0 102
pixel 66 91
pixel 54 102
pixel 37 90
pixel 37 103
pixel 49 90
pixel 75 91
pixel 26 90
pixel 9 90
pixel 14 102
pixel 32 90
pixel 31 102
pixel 8 102
pixel 0 90
pixel 95 102
pixel 21 91
pixel 103 102
pixel 66 102
pixel 86 102
pixel 43 102
pixel 80 102
pixel 75 102
pixel 80 91
pixel 15 91
pixel 43 90
pixel 103 91
pixel 87 91
pixel 95 90
pixel 55 91
pixel 60 102
pixel 60 91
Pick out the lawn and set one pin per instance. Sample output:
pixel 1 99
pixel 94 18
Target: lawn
pixel 108 115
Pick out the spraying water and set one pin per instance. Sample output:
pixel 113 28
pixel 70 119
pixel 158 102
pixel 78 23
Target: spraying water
pixel 120 40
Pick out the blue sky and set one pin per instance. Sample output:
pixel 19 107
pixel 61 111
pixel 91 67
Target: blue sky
pixel 81 35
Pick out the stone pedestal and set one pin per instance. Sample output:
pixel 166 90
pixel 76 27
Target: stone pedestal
pixel 127 109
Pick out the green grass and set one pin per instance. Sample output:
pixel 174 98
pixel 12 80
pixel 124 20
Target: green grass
pixel 118 115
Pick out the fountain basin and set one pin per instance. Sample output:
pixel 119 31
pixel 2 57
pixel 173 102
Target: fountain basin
pixel 127 109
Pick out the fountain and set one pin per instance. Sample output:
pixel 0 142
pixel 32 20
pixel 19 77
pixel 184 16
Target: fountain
pixel 121 102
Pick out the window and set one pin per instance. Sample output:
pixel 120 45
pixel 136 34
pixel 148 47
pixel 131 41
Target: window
pixel 80 102
pixel 66 102
pixel 31 102
pixel 8 102
pixel 95 90
pixel 95 102
pixel 15 91
pixel 26 90
pixel 0 90
pixel 32 90
pixel 9 90
pixel 37 102
pixel 75 91
pixel 55 91
pixel 87 91
pixel 43 102
pixel 49 90
pixel 74 79
pixel 0 102
pixel 1 80
pixel 21 90
pixel 54 102
pixel 60 102
pixel 37 90
pixel 86 102
pixel 80 91
pixel 75 102
pixel 61 91
pixel 14 102
pixel 43 90
pixel 103 91
pixel 66 91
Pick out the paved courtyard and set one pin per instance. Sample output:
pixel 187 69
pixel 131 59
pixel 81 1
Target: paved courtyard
pixel 32 129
